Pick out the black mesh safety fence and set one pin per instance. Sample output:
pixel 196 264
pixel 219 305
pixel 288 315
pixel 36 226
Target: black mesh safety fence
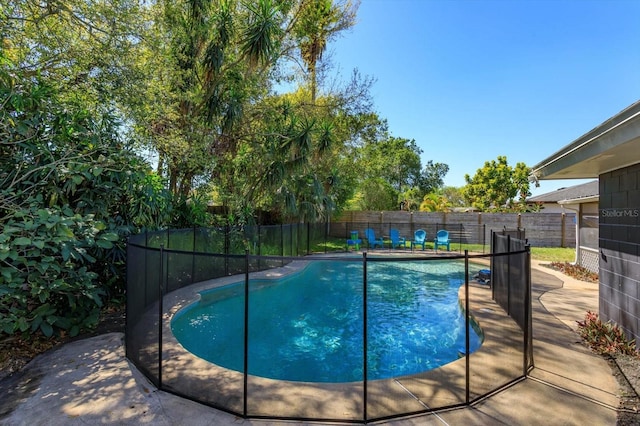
pixel 305 238
pixel 143 310
pixel 508 269
pixel 229 318
pixel 511 283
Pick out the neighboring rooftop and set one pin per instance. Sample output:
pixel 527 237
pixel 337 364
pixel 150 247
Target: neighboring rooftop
pixel 585 190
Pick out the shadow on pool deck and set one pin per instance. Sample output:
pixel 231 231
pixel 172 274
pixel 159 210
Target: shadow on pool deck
pixel 91 381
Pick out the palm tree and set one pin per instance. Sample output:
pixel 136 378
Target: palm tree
pixel 219 52
pixel 434 203
pixel 319 21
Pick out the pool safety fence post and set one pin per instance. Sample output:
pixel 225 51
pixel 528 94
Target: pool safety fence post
pixel 492 264
pixel 259 238
pixel 466 324
pixel 528 329
pixel 484 236
pixel 127 283
pixel 509 275
pixel 326 237
pixel 283 238
pixel 193 258
pixel 227 244
pixel 148 287
pixel 246 333
pixel 411 227
pixel 160 309
pixel 258 251
pixel 291 226
pixel 364 336
pixel 389 226
pixel 308 237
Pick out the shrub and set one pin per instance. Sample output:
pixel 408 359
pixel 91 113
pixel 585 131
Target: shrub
pixel 45 281
pixel 71 191
pixel 605 337
pixel 576 271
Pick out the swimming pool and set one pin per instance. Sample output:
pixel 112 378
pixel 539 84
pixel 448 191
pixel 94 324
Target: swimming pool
pixel 308 326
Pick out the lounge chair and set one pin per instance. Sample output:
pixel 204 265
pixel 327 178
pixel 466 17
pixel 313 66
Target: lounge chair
pixel 396 239
pixel 372 241
pixel 419 238
pixel 442 239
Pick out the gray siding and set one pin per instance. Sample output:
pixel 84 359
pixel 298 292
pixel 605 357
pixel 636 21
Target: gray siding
pixel 620 249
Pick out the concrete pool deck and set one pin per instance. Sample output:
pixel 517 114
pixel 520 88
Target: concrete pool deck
pixel 91 381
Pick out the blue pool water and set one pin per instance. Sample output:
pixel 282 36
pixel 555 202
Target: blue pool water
pixel 309 326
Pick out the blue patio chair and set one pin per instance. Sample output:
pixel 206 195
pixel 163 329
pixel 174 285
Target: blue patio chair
pixel 419 238
pixel 372 241
pixel 442 239
pixel 396 239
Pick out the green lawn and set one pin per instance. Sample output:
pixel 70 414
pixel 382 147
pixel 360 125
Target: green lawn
pixel 554 254
pixel 550 254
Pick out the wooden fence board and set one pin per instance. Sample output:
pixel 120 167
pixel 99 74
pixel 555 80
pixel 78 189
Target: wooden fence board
pixel 542 229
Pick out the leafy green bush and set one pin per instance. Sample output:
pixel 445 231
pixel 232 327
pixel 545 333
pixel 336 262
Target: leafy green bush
pixel 71 191
pixel 605 337
pixel 190 212
pixel 45 280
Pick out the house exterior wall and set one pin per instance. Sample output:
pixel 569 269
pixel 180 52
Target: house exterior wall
pixel 619 240
pixel 552 208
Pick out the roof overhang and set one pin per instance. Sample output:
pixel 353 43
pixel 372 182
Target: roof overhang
pixel 612 145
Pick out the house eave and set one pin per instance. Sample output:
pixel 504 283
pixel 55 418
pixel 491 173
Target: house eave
pixel 610 146
pixel 581 200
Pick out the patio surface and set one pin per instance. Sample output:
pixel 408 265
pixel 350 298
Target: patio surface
pixel 91 381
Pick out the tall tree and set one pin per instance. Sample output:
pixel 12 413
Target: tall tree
pixel 298 160
pixel 496 185
pixel 215 119
pixel 396 160
pixel 376 194
pixel 88 51
pixel 432 177
pixel 454 196
pixel 192 81
pixel 218 56
pixel 319 21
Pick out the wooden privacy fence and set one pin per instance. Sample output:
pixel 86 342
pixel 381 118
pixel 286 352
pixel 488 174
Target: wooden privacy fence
pixel 542 229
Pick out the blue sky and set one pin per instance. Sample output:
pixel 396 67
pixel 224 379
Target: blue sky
pixel 473 79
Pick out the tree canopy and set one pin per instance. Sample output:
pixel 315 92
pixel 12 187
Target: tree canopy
pixel 120 115
pixel 496 185
pixel 397 162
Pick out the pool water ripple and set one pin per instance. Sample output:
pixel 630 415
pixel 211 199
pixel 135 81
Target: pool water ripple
pixel 309 326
